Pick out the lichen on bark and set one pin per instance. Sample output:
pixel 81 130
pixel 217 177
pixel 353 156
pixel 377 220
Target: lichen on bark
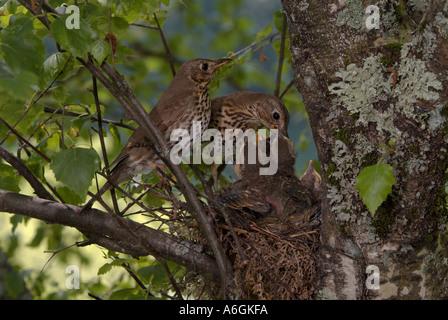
pixel 374 93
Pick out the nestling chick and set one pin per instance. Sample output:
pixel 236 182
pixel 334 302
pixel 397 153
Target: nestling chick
pixel 281 194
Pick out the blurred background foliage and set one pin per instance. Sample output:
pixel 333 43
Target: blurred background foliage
pixel 29 61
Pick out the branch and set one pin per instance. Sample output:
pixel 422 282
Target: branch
pixel 121 91
pixel 281 58
pixel 37 12
pixel 100 133
pixel 39 189
pixel 80 115
pixel 25 141
pixel 113 232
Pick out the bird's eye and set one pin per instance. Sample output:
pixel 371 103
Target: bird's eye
pixel 276 115
pixel 204 66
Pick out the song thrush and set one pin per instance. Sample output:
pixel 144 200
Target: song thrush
pixel 185 100
pixel 282 194
pixel 249 110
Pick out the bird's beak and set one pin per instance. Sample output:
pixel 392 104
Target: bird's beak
pixel 220 63
pixel 283 132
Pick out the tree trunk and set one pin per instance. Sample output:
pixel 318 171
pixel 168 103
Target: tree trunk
pixel 377 95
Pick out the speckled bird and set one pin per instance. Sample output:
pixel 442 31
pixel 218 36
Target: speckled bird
pixel 249 110
pixel 186 99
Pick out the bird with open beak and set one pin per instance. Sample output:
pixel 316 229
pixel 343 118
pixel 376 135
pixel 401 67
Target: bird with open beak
pixel 249 110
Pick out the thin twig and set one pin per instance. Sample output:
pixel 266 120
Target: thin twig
pixel 143 26
pixel 208 190
pixel 55 192
pixel 39 189
pixel 25 141
pixel 170 276
pixel 110 40
pixel 101 136
pixel 275 278
pixel 38 127
pixel 165 44
pixel 127 267
pixel 290 84
pixel 81 115
pixel 269 39
pixel 53 253
pixel 281 58
pixel 41 94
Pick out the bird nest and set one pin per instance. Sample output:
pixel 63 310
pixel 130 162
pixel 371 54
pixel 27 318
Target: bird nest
pixel 273 259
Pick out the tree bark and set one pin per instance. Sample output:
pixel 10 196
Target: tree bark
pixel 372 95
pixel 113 232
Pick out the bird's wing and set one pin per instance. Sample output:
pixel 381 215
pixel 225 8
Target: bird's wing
pixel 173 106
pixel 138 146
pixel 292 187
pixel 250 199
pixel 169 109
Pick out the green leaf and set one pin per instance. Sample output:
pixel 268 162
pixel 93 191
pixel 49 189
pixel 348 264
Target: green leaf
pixel 114 132
pixel 105 268
pixel 77 41
pixel 118 25
pixel 152 5
pixel 20 48
pixel 53 65
pixel 265 31
pixel 154 274
pixel 14 284
pixel 59 93
pixel 15 220
pixel 40 234
pixel 100 49
pixel 375 184
pixel 69 196
pixel 124 294
pixel 278 20
pixel 8 179
pixel 75 167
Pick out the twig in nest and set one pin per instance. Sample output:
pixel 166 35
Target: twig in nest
pixel 277 279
